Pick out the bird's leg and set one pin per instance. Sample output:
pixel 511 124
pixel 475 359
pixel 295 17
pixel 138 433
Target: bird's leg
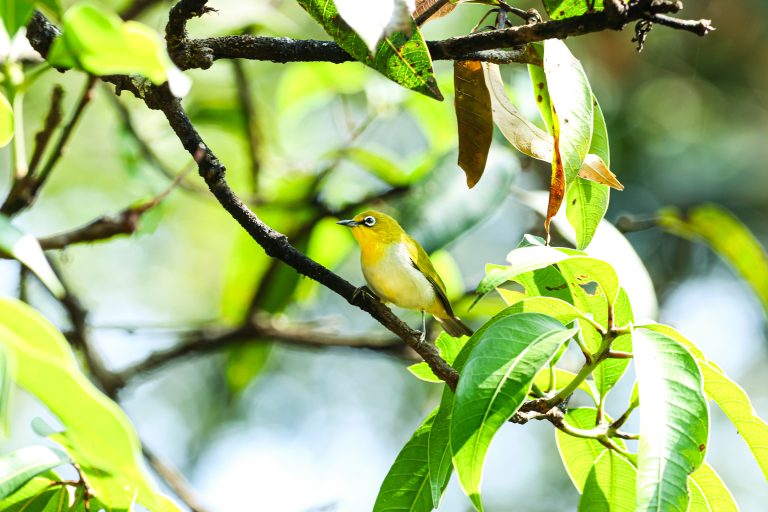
pixel 363 294
pixel 423 327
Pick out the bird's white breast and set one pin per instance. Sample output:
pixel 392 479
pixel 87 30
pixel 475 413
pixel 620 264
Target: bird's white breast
pixel 394 279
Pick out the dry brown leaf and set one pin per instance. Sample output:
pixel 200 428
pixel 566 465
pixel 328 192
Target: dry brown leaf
pixel 423 5
pixel 557 180
pixel 594 169
pixel 528 138
pixel 474 118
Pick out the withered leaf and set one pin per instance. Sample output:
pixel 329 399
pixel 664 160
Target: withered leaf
pixel 594 169
pixel 557 180
pixel 423 5
pixel 474 118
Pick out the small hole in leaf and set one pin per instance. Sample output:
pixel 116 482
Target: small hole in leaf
pixel 590 288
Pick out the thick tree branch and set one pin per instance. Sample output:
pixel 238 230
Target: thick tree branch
pixel 484 46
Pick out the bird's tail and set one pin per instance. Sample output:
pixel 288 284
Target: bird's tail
pixel 455 327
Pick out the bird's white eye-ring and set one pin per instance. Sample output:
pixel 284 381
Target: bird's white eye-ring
pixel 369 221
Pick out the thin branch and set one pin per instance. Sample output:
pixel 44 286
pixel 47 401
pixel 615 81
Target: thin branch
pixel 698 27
pixel 175 480
pixel 25 194
pixel 52 120
pixel 260 330
pixel 250 122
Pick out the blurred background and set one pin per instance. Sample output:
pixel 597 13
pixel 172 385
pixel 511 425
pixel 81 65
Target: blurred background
pixel 270 426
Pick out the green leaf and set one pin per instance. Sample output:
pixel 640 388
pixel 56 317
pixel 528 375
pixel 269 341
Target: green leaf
pixel 610 485
pixel 19 467
pixel 729 396
pixel 439 447
pixel 98 435
pixel 494 383
pixel 449 348
pixel 27 250
pixel 674 421
pixel 34 487
pixel 579 454
pixel 727 237
pixel 522 260
pixel 58 502
pixel 709 493
pixel 401 58
pixel 7 376
pixel 587 201
pixel 559 9
pixel 15 14
pixel 571 99
pixel 99 42
pixel 406 486
pixel 6 121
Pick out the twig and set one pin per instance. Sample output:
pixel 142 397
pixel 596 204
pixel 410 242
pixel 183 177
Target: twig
pixel 25 194
pixel 52 120
pixel 698 27
pixel 250 122
pixel 175 481
pixel 260 330
pixel 422 16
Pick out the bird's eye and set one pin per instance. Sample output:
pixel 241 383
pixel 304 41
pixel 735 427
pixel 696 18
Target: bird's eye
pixel 369 221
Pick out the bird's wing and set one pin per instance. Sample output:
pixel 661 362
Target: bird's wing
pixel 421 262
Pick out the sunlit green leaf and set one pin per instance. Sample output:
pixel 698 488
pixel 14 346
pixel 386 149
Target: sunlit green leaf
pixel 401 58
pixel 494 383
pixel 34 487
pixel 6 121
pixel 20 466
pixel 523 259
pixel 439 446
pixel 406 487
pixel 99 42
pixel 559 9
pixel 727 237
pixel 674 421
pixel 610 485
pixel 608 373
pixel 729 396
pixel 579 454
pixel 709 493
pixel 587 201
pixel 98 435
pixel 27 250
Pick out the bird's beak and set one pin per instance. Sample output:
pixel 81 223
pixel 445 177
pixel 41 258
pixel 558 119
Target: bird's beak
pixel 349 223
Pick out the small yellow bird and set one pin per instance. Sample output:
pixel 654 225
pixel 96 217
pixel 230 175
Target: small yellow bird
pixel 399 271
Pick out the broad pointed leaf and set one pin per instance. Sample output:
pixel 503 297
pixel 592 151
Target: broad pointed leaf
pixel 709 493
pixel 494 383
pixel 729 396
pixel 400 57
pixel 19 467
pixel 406 487
pixel 474 118
pixel 579 454
pixel 674 421
pixel 610 485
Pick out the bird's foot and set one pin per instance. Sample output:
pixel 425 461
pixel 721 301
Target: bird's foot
pixel 362 295
pixel 422 336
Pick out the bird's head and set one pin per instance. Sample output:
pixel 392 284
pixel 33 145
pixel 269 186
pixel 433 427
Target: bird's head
pixel 373 227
